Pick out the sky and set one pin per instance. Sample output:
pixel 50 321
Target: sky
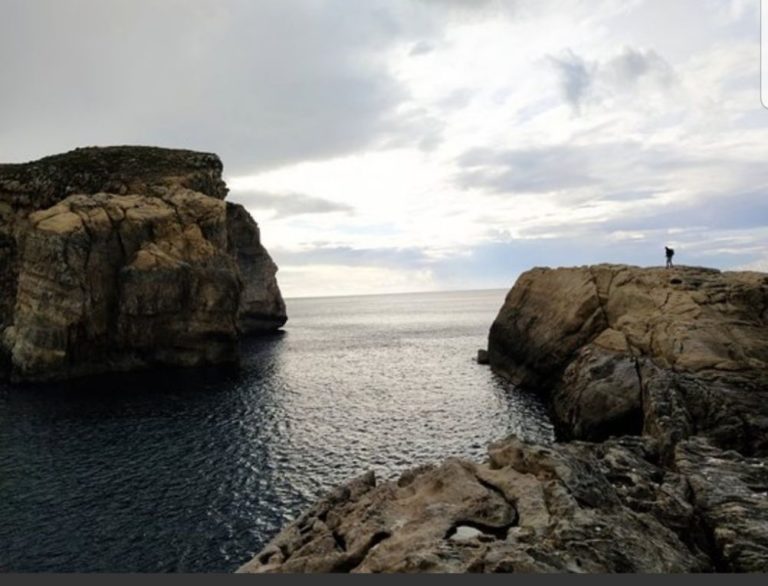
pixel 390 146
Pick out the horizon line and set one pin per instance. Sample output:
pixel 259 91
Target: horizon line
pixel 431 292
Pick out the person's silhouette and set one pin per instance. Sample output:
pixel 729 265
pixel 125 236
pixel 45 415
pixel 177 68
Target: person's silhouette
pixel 670 253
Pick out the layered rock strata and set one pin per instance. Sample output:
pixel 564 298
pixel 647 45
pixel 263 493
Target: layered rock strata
pixel 127 257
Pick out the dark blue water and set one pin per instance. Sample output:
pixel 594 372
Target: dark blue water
pixel 196 470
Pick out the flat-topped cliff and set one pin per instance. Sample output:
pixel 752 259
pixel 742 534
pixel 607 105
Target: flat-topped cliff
pixel 620 349
pixel 126 257
pixel 663 371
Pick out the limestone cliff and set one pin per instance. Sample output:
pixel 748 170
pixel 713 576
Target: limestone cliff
pixel 620 349
pixel 126 257
pixel 663 370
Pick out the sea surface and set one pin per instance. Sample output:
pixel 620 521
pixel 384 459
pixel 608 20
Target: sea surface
pixel 195 470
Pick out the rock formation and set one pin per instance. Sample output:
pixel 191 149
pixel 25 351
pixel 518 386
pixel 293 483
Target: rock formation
pixel 619 349
pixel 528 509
pixel 126 257
pixel 663 371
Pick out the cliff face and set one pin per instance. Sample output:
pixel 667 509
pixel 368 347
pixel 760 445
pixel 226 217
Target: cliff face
pixel 126 257
pixel 620 349
pixel 261 304
pixel 672 364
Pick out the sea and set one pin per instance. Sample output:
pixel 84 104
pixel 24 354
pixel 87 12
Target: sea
pixel 196 470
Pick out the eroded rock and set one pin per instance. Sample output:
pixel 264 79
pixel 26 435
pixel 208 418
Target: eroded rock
pixel 127 257
pixel 621 349
pixel 665 370
pixel 730 494
pixel 527 509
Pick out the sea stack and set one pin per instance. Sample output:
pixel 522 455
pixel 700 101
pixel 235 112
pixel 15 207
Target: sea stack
pixel 122 258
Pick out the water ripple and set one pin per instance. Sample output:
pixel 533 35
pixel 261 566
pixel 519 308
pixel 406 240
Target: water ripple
pixel 195 470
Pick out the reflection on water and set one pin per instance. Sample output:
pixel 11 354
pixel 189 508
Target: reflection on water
pixel 196 470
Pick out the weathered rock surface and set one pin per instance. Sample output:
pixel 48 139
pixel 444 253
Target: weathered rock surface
pixel 613 506
pixel 621 349
pixel 528 509
pixel 665 370
pixel 126 257
pixel 261 304
pixel 730 495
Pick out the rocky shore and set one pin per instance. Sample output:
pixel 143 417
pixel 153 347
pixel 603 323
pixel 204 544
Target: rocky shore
pixel 658 384
pixel 121 258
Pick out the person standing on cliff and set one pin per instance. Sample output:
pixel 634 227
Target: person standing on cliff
pixel 670 253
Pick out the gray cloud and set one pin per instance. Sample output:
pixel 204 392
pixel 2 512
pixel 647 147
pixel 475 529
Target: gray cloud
pixel 261 83
pixel 525 170
pixel 711 211
pixel 628 195
pixel 290 204
pixel 633 65
pixel 323 253
pixel 703 217
pixel 581 79
pixel 624 170
pixel 576 76
pixel 473 8
pixel 456 100
pixel 421 48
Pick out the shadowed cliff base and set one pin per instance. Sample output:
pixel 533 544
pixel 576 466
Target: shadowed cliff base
pixel 663 370
pixel 121 258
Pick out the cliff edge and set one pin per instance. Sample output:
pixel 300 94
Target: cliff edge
pixel 663 371
pixel 120 258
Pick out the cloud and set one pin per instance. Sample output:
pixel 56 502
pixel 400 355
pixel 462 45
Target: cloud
pixel 708 211
pixel 629 195
pixel 421 48
pixel 633 65
pixel 540 169
pixel 324 254
pixel 631 69
pixel 473 8
pixel 334 280
pixel 263 84
pixel 623 170
pixel 576 76
pixel 447 143
pixel 290 204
